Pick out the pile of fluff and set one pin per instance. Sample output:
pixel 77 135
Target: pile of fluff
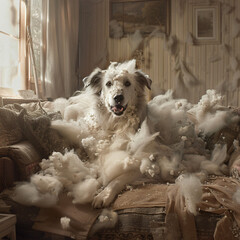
pixel 166 145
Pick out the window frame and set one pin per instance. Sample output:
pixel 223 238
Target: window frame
pixel 23 49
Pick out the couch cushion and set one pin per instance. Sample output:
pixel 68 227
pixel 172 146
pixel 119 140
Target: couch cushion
pixel 24 156
pixel 36 129
pixel 10 130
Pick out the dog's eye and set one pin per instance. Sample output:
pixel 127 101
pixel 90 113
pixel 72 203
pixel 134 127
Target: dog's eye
pixel 108 84
pixel 127 84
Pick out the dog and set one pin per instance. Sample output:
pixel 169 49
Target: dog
pixel 112 107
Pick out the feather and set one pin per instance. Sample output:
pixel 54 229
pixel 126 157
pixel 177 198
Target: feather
pixel 235 28
pixel 188 78
pixel 135 40
pixel 234 63
pixel 190 39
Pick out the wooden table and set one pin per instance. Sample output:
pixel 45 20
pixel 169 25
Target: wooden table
pixel 7 226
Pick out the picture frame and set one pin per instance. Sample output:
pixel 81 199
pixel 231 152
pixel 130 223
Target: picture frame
pixel 206 24
pixel 127 16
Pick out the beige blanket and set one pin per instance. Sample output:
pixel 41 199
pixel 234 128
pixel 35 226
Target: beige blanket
pixel 180 224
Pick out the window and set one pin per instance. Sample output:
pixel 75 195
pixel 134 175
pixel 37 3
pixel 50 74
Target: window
pixel 12 45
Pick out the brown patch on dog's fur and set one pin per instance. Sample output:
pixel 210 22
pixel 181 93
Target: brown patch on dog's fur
pixel 143 79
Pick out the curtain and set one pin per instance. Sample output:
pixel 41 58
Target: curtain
pixel 60 43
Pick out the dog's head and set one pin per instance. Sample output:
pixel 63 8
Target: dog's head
pixel 120 86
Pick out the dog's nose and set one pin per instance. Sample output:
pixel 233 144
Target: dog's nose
pixel 118 98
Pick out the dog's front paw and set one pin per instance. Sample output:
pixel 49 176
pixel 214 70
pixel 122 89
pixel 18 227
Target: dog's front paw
pixel 103 199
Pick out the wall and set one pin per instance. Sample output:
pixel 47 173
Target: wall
pixel 93 36
pixel 211 65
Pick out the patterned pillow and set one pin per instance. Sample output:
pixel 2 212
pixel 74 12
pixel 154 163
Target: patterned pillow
pixel 10 130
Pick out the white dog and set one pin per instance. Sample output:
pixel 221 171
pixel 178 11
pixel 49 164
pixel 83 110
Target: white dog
pixel 103 120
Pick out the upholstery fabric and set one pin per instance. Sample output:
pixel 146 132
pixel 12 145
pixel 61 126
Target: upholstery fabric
pixel 217 198
pixel 34 123
pixel 10 130
pixel 82 218
pixel 25 156
pixel 7 172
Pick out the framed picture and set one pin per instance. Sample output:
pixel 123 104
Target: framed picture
pixel 127 16
pixel 206 24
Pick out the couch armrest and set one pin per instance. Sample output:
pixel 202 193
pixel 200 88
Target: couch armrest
pixel 7 173
pixel 22 159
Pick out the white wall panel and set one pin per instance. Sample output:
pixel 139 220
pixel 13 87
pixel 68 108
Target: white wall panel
pixel 199 58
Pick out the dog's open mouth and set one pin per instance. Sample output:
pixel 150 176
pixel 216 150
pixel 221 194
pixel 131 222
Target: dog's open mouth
pixel 118 109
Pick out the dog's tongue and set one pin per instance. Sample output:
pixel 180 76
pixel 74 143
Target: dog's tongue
pixel 118 108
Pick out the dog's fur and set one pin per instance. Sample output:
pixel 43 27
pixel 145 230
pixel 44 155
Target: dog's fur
pixel 114 102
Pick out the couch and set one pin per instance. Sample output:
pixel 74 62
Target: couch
pixel 150 211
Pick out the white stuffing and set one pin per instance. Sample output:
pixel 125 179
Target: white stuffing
pixel 28 194
pixel 108 216
pixel 114 68
pixel 178 150
pixel 163 145
pixel 65 222
pixel 214 122
pixel 46 184
pixel 107 219
pixel 83 192
pixel 191 188
pixel 210 115
pixel 141 139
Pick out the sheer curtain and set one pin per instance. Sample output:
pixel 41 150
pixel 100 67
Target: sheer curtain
pixel 9 44
pixel 60 43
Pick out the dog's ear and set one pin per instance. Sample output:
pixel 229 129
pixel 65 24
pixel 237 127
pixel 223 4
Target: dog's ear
pixel 94 80
pixel 143 79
